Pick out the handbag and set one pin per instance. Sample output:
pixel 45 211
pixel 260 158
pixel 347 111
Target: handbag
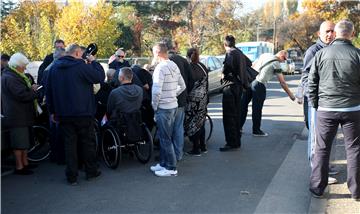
pixel 251 73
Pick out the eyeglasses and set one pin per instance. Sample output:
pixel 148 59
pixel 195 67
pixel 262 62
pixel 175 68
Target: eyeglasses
pixel 120 56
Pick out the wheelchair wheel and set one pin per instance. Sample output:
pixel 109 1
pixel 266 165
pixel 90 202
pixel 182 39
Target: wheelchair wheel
pixel 40 146
pixel 110 147
pixel 144 148
pixel 208 127
pixel 97 132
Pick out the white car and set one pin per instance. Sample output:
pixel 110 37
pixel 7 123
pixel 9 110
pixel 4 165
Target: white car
pixel 215 67
pixel 288 66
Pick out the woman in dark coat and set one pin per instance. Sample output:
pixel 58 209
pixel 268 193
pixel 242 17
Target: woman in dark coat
pixel 19 104
pixel 196 109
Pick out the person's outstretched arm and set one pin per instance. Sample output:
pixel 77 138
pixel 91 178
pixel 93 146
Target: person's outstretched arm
pixel 285 86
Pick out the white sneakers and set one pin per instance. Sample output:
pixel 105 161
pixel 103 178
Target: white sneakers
pixel 332 180
pixel 166 173
pixel 157 167
pixel 162 171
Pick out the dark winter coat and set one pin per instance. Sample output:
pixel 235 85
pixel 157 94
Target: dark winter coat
pixel 69 91
pixel 17 101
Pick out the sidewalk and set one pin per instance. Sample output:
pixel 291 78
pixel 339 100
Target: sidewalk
pixel 338 198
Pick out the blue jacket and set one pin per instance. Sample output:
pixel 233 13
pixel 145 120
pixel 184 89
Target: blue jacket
pixel 308 59
pixel 69 91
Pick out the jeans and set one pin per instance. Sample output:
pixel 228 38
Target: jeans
pixel 79 133
pixel 257 93
pixel 311 119
pixel 178 133
pixel 165 119
pixel 327 123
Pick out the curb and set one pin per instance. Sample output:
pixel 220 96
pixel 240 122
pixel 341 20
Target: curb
pixel 288 190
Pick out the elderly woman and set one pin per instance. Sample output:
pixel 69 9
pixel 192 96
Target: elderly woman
pixel 196 109
pixel 19 104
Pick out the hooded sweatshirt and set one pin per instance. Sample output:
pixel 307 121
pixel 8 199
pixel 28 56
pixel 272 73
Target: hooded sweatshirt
pixel 125 98
pixel 69 91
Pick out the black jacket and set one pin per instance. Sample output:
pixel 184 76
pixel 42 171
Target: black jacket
pixel 185 71
pixel 17 101
pixel 47 61
pixel 334 78
pixel 69 91
pixel 234 69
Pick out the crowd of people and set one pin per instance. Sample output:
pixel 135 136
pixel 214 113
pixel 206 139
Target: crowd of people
pixel 172 92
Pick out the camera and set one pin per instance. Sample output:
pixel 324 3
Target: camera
pixel 90 50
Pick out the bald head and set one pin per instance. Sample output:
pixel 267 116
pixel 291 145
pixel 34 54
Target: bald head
pixel 326 32
pixel 344 29
pixel 281 55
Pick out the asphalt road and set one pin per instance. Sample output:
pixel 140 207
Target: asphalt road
pixel 231 182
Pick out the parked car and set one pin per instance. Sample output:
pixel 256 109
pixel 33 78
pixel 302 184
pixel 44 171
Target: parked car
pixel 215 67
pixel 288 66
pixel 298 66
pixel 221 58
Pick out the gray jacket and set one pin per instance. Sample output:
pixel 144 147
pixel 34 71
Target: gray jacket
pixel 334 78
pixel 125 98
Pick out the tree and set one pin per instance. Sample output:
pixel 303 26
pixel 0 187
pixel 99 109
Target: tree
pixel 147 22
pixel 84 25
pixel 207 24
pixel 300 29
pixel 22 30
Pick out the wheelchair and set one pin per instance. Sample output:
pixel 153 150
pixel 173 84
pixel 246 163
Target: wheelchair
pixel 125 132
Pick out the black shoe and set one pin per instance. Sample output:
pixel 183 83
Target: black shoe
pixel 316 194
pixel 260 134
pixel 228 148
pixel 355 198
pixel 194 153
pixel 204 150
pixel 23 171
pixel 31 166
pixel 93 177
pixel 72 181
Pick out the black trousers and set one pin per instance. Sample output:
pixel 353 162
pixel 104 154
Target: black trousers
pixel 327 123
pixel 198 139
pixel 79 133
pixel 257 93
pixel 231 105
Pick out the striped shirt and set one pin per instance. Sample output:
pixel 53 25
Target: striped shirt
pixel 167 85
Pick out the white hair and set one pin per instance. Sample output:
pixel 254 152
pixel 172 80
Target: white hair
pixel 344 29
pixel 119 52
pixel 18 60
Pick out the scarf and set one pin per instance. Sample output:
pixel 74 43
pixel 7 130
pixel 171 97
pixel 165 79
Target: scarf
pixel 28 83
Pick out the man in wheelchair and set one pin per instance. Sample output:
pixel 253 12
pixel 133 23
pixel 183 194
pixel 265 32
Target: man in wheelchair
pixel 124 103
